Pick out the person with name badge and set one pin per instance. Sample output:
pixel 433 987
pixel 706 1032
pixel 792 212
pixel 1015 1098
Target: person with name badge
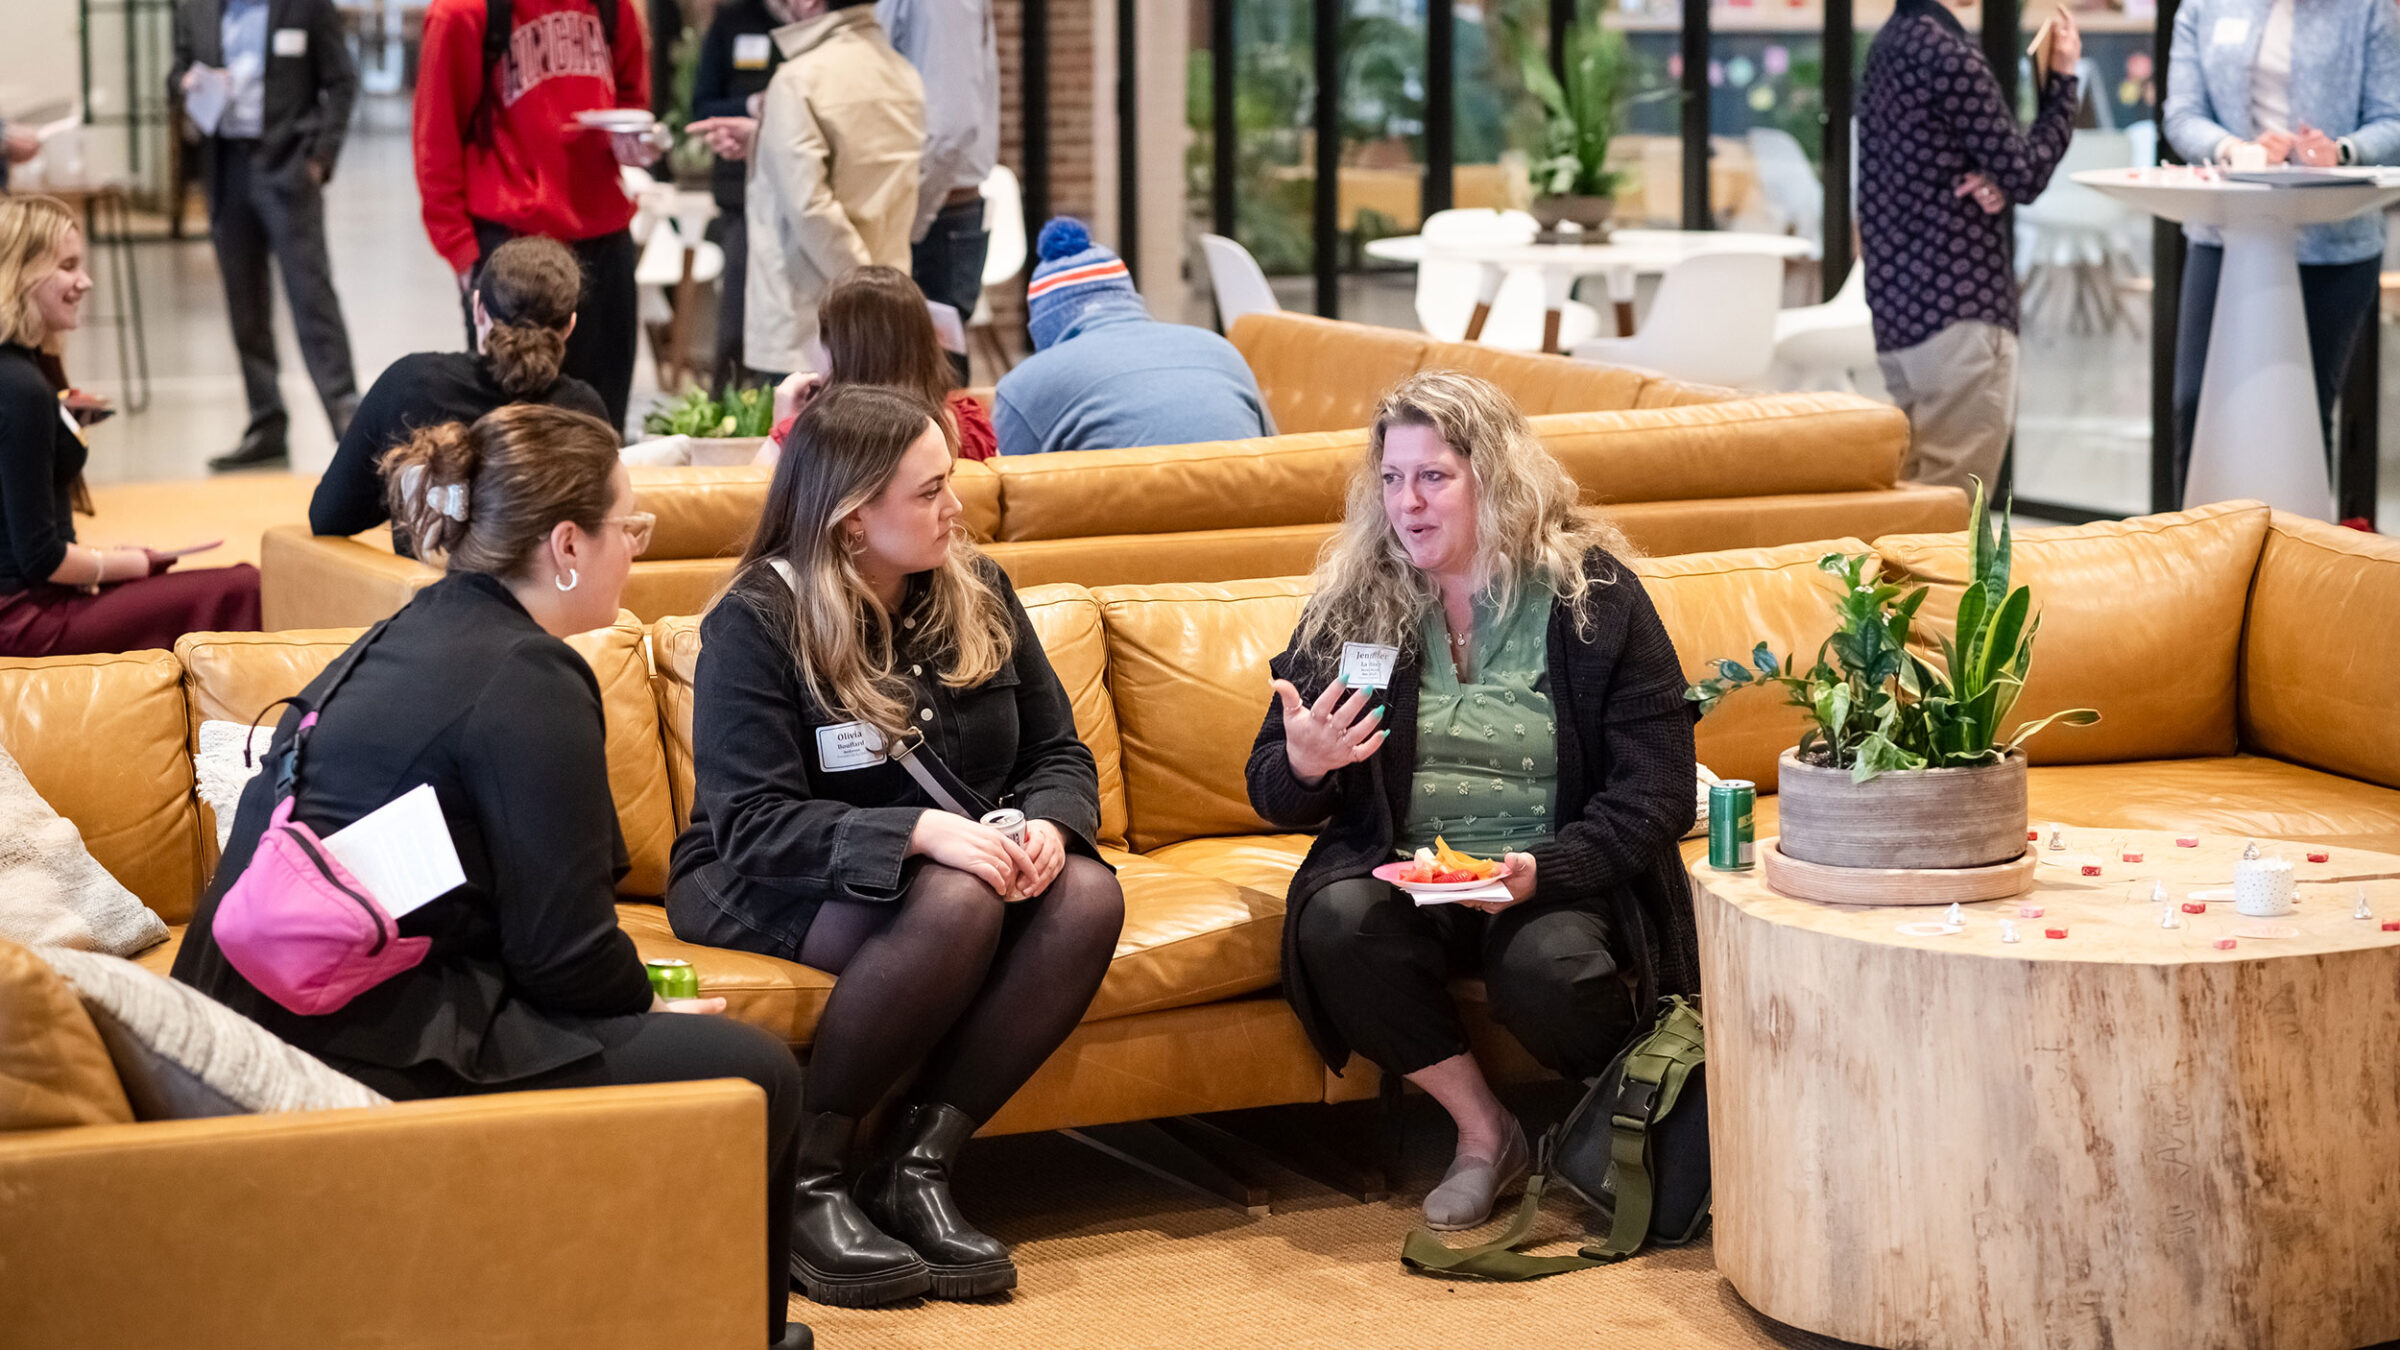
pixel 266 88
pixel 889 787
pixel 521 978
pixel 1478 667
pixel 2310 83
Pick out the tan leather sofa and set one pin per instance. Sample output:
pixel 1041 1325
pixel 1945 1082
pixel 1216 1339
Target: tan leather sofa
pixel 1697 475
pixel 2200 636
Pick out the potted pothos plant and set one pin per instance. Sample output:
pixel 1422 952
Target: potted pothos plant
pixel 1903 762
pixel 721 432
pixel 1571 177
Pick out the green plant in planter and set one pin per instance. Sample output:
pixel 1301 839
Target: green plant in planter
pixel 1873 704
pixel 1579 112
pixel 745 412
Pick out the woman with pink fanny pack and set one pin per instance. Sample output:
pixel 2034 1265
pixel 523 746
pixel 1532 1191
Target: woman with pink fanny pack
pixel 520 977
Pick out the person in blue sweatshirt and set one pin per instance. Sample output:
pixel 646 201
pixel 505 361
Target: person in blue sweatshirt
pixel 1104 375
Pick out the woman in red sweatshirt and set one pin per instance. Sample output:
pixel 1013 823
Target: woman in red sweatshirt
pixel 499 154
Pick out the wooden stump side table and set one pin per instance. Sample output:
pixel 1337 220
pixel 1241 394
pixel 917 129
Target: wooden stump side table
pixel 2126 1137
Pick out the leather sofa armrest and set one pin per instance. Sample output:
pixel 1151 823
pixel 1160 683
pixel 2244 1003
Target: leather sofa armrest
pixel 600 1218
pixel 319 581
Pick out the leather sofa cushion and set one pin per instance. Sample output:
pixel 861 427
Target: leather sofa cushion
pixel 1660 528
pixel 2313 693
pixel 1212 485
pixel 1187 670
pixel 2140 619
pixel 105 741
pixel 1262 862
pixel 703 512
pixel 2241 795
pixel 1222 1056
pixel 1068 622
pixel 54 1069
pixel 1544 384
pixel 1188 940
pixel 1721 605
pixel 1763 446
pixel 1162 559
pixel 232 676
pixel 1322 374
pixel 675 658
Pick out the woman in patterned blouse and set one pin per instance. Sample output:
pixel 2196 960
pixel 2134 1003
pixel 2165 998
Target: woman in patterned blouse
pixel 1478 663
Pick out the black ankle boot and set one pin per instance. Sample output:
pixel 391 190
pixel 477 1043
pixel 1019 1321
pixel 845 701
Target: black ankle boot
pixel 839 1257
pixel 907 1194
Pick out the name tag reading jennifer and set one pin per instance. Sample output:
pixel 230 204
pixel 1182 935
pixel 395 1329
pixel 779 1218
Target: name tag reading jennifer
pixel 291 42
pixel 750 51
pixel 849 745
pixel 1367 665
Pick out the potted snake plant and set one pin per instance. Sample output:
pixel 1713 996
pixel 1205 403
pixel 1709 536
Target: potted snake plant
pixel 1903 762
pixel 1571 177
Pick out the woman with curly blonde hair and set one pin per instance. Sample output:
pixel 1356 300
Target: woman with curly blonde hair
pixel 1478 665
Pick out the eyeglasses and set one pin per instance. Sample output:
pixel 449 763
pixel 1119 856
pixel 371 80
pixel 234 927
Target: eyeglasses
pixel 637 529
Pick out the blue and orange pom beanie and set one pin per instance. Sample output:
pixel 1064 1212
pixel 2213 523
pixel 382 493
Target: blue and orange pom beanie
pixel 1074 280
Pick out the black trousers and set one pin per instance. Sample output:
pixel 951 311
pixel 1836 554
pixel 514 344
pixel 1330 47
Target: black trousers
pixel 2338 300
pixel 601 350
pixel 1377 963
pixel 733 235
pixel 947 264
pixel 255 214
pixel 661 1048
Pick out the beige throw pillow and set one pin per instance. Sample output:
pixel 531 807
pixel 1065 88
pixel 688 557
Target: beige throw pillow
pixel 52 892
pixel 182 1054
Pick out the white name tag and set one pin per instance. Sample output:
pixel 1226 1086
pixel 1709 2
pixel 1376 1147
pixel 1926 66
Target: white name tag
pixel 291 42
pixel 2230 32
pixel 750 51
pixel 849 745
pixel 401 851
pixel 1365 665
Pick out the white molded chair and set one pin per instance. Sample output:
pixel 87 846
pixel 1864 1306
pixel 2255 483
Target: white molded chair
pixel 2076 246
pixel 674 258
pixel 1713 322
pixel 1238 281
pixel 1824 346
pixel 1003 259
pixel 1789 181
pixel 1448 288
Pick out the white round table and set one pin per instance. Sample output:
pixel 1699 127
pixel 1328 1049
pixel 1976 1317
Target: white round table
pixel 1627 254
pixel 2257 434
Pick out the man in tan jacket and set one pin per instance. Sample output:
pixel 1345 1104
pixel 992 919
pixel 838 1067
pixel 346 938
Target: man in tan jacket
pixel 834 156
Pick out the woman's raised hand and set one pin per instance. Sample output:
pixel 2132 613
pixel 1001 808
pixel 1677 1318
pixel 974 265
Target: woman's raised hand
pixel 973 848
pixel 1334 731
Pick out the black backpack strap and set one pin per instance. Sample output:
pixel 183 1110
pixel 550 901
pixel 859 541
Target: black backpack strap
pixel 287 774
pixel 498 18
pixel 608 22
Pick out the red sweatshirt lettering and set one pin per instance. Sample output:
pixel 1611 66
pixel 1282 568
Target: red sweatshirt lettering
pixel 539 174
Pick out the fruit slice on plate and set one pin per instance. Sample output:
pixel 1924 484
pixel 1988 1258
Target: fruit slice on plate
pixel 1441 868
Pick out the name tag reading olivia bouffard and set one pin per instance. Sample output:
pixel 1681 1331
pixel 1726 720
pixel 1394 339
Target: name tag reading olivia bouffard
pixel 849 745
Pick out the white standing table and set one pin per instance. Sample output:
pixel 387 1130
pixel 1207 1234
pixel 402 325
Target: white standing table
pixel 1626 255
pixel 2257 434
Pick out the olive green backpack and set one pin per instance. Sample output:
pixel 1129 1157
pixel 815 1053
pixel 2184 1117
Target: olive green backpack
pixel 1635 1149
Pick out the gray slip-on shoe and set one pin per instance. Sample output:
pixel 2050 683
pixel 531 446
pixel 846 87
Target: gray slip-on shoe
pixel 1473 1185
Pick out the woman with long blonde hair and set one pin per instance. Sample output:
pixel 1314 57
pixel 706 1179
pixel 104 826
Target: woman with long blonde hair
pixel 59 597
pixel 863 642
pixel 1478 665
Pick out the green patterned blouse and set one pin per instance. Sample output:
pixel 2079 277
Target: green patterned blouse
pixel 1487 750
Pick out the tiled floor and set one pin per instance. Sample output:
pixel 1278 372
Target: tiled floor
pixel 2083 432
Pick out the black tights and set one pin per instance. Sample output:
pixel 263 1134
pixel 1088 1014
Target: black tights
pixel 978 991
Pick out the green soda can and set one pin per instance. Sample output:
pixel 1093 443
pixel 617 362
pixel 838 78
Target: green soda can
pixel 672 978
pixel 1732 805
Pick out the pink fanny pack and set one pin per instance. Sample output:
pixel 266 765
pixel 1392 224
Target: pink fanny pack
pixel 295 923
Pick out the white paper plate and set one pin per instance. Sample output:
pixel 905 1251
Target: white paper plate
pixel 629 120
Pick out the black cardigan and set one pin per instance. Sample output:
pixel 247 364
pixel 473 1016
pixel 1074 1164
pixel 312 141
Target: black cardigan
pixel 463 691
pixel 774 834
pixel 1625 777
pixel 40 457
pixel 421 390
